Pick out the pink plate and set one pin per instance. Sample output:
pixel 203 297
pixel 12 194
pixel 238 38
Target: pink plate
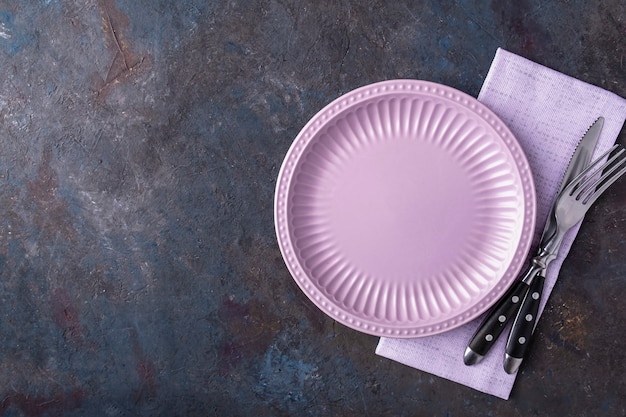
pixel 404 208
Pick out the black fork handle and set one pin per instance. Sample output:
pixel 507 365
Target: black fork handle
pixel 523 326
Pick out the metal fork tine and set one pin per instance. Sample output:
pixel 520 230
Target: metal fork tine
pixel 609 179
pixel 582 181
pixel 590 184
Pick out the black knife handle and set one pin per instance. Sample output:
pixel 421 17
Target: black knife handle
pixel 503 313
pixel 524 324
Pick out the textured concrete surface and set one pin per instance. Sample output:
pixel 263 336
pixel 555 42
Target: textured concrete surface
pixel 139 147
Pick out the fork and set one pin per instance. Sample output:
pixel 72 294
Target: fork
pixel 570 208
pixel 578 196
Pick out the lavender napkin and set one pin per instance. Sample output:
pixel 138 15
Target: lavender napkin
pixel 548 112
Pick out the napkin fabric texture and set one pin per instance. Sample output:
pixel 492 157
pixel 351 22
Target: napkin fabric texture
pixel 548 112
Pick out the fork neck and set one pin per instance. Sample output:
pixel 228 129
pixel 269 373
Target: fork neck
pixel 549 251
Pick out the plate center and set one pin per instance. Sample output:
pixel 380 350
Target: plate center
pixel 402 209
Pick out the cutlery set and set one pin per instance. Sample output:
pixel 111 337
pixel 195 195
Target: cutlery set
pixel 582 184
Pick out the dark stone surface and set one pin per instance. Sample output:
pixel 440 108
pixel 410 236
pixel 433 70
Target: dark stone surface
pixel 139 147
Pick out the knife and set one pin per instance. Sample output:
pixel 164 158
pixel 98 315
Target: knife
pixel 526 319
pixel 525 295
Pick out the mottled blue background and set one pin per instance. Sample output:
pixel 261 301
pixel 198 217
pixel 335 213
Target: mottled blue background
pixel 140 143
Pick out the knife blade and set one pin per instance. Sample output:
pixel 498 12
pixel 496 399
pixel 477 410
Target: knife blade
pixel 505 310
pixel 580 159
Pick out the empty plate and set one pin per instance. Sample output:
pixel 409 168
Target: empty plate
pixel 404 208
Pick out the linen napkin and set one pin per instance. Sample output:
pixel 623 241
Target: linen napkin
pixel 548 112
